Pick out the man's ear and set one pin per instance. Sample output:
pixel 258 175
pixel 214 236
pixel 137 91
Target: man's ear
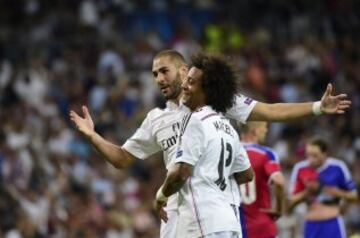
pixel 184 69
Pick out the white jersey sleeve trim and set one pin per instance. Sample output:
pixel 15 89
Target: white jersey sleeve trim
pixel 242 108
pixel 142 144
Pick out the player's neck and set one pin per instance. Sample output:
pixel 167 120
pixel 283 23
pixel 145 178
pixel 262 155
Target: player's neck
pixel 321 164
pixel 175 101
pixel 249 139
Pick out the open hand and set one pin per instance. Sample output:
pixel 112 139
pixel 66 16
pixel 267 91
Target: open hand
pixel 84 124
pixel 160 211
pixel 334 104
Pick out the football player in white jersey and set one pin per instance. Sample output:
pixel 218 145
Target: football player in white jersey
pixel 158 131
pixel 208 153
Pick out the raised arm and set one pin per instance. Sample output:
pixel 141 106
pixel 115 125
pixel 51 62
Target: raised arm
pixel 114 154
pixel 329 104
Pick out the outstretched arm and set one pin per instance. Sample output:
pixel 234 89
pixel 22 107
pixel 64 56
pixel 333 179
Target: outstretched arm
pixel 329 104
pixel 112 153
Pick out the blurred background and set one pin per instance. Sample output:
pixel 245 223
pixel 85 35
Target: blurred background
pixel 61 54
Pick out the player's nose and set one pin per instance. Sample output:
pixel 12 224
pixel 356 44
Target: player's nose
pixel 184 84
pixel 160 78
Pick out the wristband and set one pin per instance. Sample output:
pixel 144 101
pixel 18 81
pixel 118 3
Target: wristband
pixel 160 196
pixel 316 108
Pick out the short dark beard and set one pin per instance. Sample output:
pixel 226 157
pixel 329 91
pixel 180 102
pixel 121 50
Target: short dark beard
pixel 175 88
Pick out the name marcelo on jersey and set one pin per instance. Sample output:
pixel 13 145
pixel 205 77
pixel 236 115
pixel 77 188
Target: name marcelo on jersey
pixel 221 126
pixel 171 141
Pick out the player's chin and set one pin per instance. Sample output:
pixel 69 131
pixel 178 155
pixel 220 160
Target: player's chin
pixel 185 100
pixel 168 95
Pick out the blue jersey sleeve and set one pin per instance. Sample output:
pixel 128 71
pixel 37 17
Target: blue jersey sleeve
pixel 346 182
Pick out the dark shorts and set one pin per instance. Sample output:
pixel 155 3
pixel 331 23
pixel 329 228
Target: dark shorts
pixel 333 228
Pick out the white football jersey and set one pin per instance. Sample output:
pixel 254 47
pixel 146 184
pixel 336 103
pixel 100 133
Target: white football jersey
pixel 159 132
pixel 209 143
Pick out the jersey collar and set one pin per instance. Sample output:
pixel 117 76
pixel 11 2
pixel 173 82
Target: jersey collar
pixel 170 105
pixel 207 108
pixel 324 165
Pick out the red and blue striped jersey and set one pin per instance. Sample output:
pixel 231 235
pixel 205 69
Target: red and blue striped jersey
pixel 256 194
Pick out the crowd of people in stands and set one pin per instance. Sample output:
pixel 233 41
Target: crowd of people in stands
pixel 59 55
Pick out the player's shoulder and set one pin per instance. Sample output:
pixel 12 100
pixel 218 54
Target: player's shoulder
pixel 255 148
pixel 191 119
pixel 301 165
pixel 198 117
pixel 204 113
pixel 333 162
pixel 154 114
pixel 242 99
pixel 271 154
pixel 262 150
pixel 157 114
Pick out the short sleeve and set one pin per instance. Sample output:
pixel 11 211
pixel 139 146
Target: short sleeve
pixel 242 108
pixel 272 164
pixel 142 144
pixel 191 141
pixel 296 184
pixel 241 160
pixel 347 183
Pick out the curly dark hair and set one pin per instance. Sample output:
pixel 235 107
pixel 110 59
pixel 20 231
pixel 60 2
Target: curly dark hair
pixel 219 80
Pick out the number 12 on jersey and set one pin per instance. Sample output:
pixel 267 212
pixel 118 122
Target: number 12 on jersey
pixel 221 180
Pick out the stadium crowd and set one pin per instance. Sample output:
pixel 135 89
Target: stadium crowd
pixel 59 55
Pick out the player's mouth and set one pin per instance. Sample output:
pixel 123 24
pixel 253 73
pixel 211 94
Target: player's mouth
pixel 185 96
pixel 164 89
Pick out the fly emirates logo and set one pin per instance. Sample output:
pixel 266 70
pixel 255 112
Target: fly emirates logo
pixel 171 141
